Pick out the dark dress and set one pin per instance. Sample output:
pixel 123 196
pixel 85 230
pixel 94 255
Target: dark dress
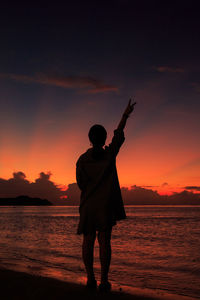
pixel 101 203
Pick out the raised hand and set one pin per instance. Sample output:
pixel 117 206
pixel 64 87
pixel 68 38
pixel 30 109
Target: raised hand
pixel 127 112
pixel 129 108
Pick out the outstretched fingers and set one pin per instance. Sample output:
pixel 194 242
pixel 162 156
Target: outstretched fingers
pixel 129 108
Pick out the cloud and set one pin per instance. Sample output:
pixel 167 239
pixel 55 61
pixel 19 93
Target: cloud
pixel 193 188
pixel 138 195
pixel 165 69
pixel 184 198
pixel 149 186
pixel 73 194
pixel 19 176
pixel 42 188
pixel 196 86
pixel 87 83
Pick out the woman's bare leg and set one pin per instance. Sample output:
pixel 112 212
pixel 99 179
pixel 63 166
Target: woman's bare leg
pixel 104 253
pixel 88 254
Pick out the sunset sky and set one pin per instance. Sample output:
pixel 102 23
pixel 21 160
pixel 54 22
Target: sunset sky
pixel 65 67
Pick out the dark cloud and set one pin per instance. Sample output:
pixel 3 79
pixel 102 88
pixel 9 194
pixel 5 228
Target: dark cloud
pixel 184 198
pixel 73 194
pixel 137 195
pixel 19 176
pixel 44 177
pixel 149 186
pixel 15 186
pixel 192 188
pixel 90 84
pixel 165 69
pixel 42 188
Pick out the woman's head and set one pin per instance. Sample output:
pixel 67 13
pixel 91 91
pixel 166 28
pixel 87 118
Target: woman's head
pixel 97 135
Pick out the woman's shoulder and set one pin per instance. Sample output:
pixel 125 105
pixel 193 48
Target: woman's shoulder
pixel 85 156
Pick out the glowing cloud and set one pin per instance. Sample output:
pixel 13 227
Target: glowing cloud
pixel 91 84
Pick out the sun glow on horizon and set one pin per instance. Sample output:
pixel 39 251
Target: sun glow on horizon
pixel 155 151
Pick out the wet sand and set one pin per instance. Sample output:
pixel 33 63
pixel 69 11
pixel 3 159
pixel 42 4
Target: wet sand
pixel 19 285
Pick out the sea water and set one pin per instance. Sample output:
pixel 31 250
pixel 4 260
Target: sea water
pixel 156 247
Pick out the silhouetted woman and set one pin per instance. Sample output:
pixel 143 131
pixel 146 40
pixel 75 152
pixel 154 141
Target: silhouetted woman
pixel 101 204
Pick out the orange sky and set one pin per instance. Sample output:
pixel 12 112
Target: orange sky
pixel 163 156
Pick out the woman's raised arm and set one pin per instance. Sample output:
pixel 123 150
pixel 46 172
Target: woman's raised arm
pixel 126 114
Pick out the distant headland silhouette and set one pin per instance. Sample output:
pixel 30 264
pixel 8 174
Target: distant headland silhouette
pixel 24 200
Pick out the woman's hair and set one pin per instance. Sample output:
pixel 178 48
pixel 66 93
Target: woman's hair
pixel 97 135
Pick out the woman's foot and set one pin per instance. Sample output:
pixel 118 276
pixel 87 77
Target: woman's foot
pixel 105 286
pixel 91 284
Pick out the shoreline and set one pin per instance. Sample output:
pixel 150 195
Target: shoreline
pixel 20 285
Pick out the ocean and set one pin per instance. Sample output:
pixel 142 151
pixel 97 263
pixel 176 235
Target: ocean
pixel 156 247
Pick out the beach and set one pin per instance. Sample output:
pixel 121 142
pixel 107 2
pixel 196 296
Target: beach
pixel 20 285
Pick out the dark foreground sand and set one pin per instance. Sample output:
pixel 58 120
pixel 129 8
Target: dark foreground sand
pixel 18 285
